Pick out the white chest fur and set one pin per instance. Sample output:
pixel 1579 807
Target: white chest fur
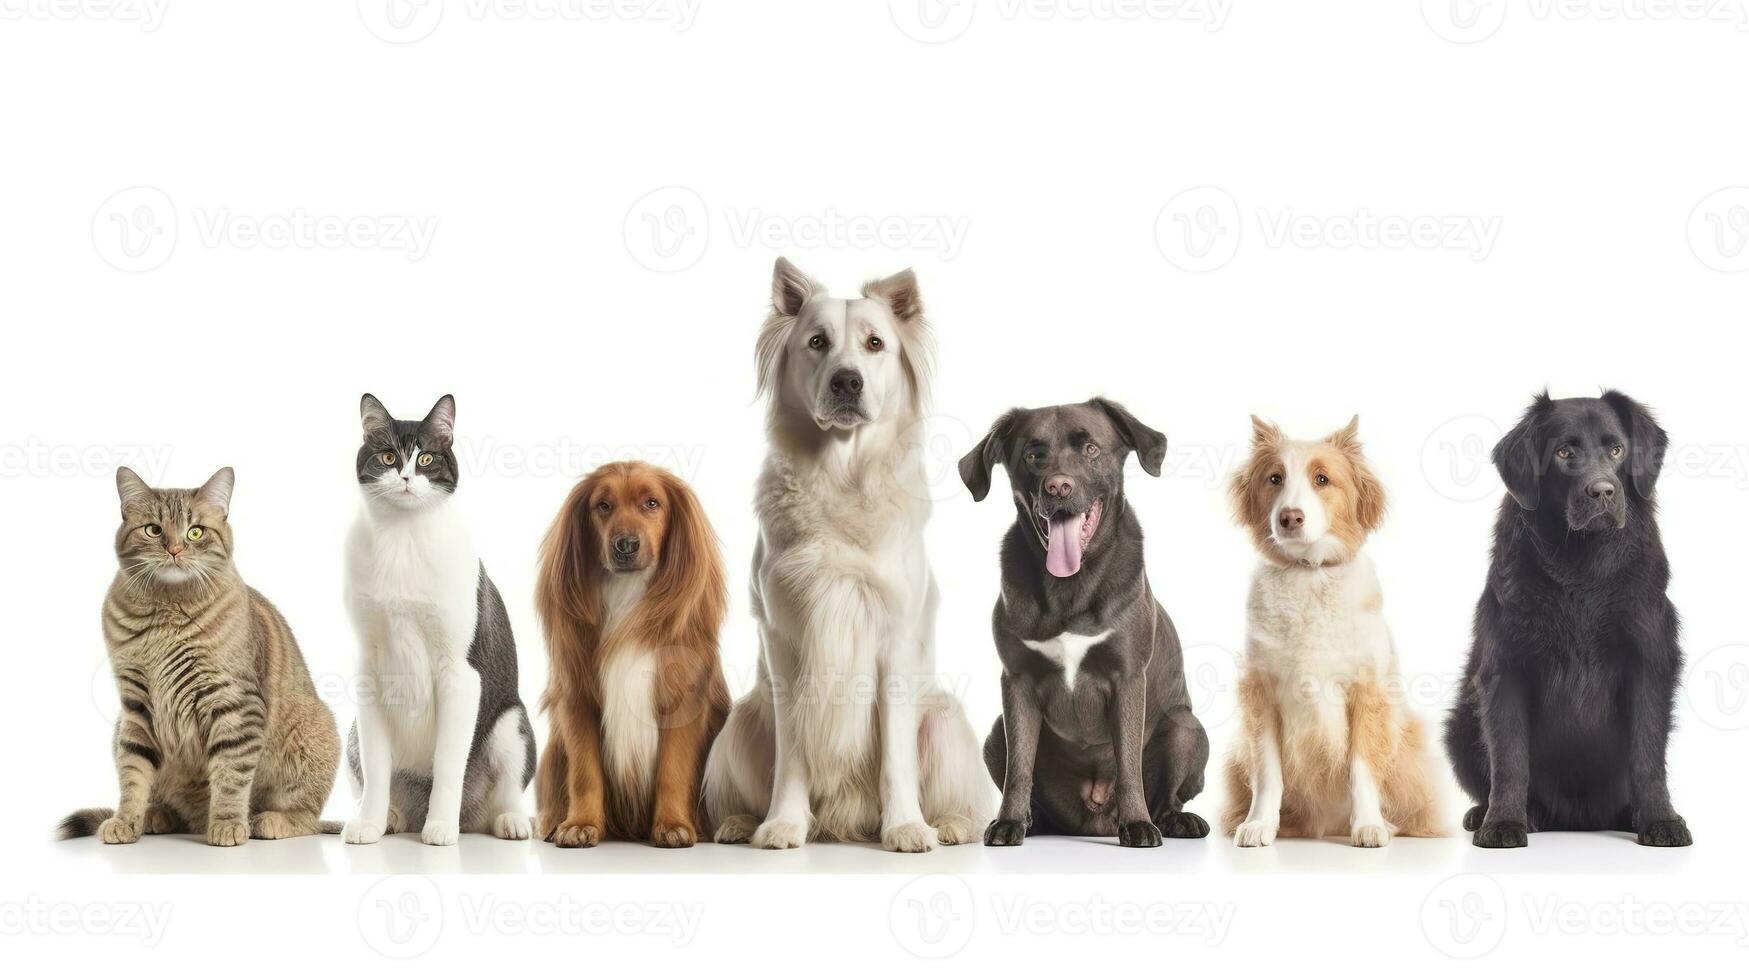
pixel 1320 622
pixel 630 732
pixel 1067 650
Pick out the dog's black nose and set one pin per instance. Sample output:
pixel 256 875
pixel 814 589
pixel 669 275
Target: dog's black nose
pixel 848 380
pixel 1292 517
pixel 1059 486
pixel 625 546
pixel 1601 488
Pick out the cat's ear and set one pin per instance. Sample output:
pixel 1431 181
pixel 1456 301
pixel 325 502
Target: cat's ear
pixel 216 491
pixel 376 418
pixel 129 485
pixel 438 429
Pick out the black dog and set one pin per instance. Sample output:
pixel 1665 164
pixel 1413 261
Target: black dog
pixel 1565 709
pixel 1093 693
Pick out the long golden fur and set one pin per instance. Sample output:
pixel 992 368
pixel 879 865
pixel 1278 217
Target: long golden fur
pixel 676 620
pixel 1323 713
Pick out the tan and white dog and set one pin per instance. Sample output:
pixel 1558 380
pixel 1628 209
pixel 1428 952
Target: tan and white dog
pixel 1328 746
pixel 846 735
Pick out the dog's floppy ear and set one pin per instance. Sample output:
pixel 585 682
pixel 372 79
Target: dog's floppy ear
pixel 1242 492
pixel 570 566
pixel 791 288
pixel 976 466
pixel 1149 444
pixel 1369 490
pixel 1518 455
pixel 1647 442
pixel 690 592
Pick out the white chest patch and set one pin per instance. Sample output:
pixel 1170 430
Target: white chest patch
pixel 1067 650
pixel 628 719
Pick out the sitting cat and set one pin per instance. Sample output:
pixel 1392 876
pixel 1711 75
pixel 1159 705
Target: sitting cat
pixel 442 740
pixel 221 732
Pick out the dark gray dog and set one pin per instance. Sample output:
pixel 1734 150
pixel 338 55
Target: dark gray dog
pixel 1093 694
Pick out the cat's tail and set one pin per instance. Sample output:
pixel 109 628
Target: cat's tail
pixel 83 823
pixel 330 826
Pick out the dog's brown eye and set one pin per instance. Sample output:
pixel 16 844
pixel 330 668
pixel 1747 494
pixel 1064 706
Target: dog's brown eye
pixel 1091 450
pixel 604 507
pixel 817 342
pixel 1616 451
pixel 1323 480
pixel 1275 479
pixel 1564 453
pixel 651 504
pixel 875 343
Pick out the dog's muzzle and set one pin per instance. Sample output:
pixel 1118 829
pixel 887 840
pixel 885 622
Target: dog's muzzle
pixel 1597 503
pixel 841 402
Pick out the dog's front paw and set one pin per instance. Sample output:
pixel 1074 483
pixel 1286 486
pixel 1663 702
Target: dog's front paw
pixel 675 834
pixel 227 833
pixel 737 829
pixel 512 826
pixel 909 838
pixel 953 830
pixel 1370 835
pixel 1256 833
pixel 1183 826
pixel 1139 833
pixel 1666 833
pixel 1005 833
pixel 1476 816
pixel 572 834
pixel 119 830
pixel 440 833
pixel 361 832
pixel 1501 835
pixel 779 835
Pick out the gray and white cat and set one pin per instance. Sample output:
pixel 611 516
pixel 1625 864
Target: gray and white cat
pixel 442 740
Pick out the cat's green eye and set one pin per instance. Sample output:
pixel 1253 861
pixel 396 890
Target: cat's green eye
pixel 424 459
pixel 153 530
pixel 388 459
pixel 195 532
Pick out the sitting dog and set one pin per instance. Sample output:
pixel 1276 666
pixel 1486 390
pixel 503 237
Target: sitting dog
pixel 1327 747
pixel 631 594
pixel 1096 736
pixel 846 734
pixel 1565 709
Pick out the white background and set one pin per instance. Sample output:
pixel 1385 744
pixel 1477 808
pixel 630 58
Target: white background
pixel 1420 213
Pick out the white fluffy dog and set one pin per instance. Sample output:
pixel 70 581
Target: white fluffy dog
pixel 846 734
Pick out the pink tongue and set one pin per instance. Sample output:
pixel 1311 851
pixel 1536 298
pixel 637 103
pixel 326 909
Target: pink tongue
pixel 1063 548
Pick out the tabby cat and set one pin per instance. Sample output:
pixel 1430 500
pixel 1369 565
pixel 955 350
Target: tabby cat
pixel 221 732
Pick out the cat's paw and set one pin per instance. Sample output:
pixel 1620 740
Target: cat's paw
pixel 737 829
pixel 778 835
pixel 511 826
pixel 119 830
pixel 1255 833
pixel 361 832
pixel 577 835
pixel 673 834
pixel 440 833
pixel 160 820
pixel 227 833
pixel 951 830
pixel 1005 833
pixel 1370 835
pixel 273 825
pixel 909 838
